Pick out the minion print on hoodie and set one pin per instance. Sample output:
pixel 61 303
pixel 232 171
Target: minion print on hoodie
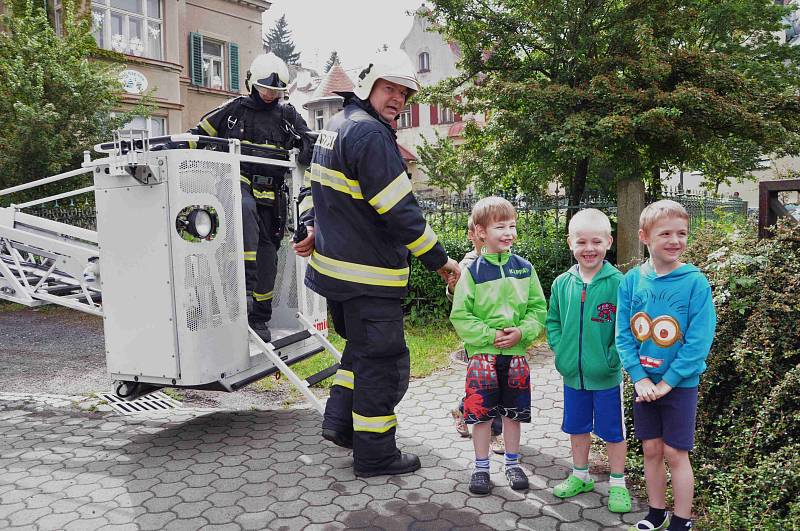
pixel 665 324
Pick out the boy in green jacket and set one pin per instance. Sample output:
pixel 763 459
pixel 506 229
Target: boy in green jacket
pixel 580 330
pixel 498 310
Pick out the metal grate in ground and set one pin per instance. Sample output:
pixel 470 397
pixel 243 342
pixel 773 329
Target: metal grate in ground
pixel 156 401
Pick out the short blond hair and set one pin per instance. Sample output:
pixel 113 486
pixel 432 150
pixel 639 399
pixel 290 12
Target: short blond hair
pixel 490 209
pixel 589 218
pixel 666 208
pixel 470 224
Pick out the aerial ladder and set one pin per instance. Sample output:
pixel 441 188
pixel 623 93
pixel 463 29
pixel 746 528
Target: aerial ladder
pixel 164 268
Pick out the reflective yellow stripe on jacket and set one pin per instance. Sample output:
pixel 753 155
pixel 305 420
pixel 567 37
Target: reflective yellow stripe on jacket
pixel 344 378
pixel 392 194
pixel 258 194
pixel 424 243
pixel 306 204
pixel 336 180
pixel 374 424
pixel 362 274
pixel 250 256
pixel 261 297
pixel 206 126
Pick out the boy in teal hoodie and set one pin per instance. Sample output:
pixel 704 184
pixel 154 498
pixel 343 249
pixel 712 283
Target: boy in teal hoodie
pixel 580 330
pixel 498 310
pixel 665 327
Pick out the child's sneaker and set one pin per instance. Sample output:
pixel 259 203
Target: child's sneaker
pixel 647 525
pixel 461 426
pixel 480 483
pixel 517 478
pixel 572 486
pixel 619 500
pixel 497 444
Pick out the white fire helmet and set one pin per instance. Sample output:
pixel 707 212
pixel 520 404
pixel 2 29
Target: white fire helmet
pixel 268 71
pixel 393 66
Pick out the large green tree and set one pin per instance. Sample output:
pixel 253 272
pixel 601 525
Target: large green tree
pixel 578 90
pixel 55 101
pixel 279 41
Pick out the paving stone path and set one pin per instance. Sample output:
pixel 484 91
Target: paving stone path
pixel 65 467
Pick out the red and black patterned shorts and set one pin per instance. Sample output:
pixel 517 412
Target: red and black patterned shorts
pixel 497 385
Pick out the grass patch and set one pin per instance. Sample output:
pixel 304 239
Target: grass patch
pixel 430 347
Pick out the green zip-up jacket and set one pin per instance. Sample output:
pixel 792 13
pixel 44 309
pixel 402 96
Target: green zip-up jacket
pixel 580 328
pixel 498 291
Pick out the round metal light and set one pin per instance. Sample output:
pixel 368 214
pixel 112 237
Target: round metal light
pixel 200 223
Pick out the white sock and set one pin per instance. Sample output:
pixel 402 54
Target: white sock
pixel 581 473
pixel 617 480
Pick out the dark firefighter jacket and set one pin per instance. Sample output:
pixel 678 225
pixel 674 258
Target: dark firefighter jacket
pixel 251 120
pixel 366 219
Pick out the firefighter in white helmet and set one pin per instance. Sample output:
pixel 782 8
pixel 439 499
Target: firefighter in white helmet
pixel 261 118
pixel 363 222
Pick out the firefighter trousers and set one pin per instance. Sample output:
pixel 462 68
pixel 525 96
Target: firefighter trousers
pixel 260 255
pixel 372 379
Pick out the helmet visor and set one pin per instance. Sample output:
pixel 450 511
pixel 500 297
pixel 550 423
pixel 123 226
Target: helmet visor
pixel 272 81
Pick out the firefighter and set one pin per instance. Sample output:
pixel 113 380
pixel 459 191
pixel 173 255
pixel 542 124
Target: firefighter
pixel 363 221
pixel 261 118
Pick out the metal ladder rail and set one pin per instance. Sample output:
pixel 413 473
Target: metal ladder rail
pixel 302 385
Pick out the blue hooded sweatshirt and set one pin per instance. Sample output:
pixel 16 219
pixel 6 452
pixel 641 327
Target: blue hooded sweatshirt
pixel 665 324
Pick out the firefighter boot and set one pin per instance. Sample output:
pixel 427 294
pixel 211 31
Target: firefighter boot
pixel 403 464
pixel 262 331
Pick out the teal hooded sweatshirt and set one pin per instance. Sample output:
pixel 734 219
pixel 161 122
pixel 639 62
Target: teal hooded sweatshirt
pixel 580 328
pixel 498 291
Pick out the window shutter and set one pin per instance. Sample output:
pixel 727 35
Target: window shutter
pixel 415 115
pixel 434 114
pixel 196 58
pixel 233 65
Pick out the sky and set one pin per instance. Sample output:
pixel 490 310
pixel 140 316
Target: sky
pixel 354 28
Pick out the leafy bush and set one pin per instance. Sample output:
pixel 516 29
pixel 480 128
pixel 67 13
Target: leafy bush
pixel 747 453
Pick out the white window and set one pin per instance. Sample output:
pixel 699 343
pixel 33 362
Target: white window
pixel 213 64
pixel 404 119
pixel 424 62
pixel 319 119
pixel 131 27
pixel 58 16
pixel 155 125
pixel 446 116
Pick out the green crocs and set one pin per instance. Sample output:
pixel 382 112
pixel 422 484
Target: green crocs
pixel 572 486
pixel 619 500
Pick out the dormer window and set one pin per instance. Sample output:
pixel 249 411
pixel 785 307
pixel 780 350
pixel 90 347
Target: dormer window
pixel 424 62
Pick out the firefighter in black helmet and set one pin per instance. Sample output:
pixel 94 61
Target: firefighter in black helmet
pixel 261 118
pixel 363 221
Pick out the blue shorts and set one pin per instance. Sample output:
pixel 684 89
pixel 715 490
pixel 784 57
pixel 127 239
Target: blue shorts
pixel 497 385
pixel 594 411
pixel 671 417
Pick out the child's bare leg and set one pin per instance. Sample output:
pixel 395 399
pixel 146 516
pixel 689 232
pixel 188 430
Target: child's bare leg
pixel 481 433
pixel 616 456
pixel 654 473
pixel 511 434
pixel 581 444
pixel 680 468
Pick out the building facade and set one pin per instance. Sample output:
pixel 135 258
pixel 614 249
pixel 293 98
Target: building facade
pixel 434 59
pixel 189 55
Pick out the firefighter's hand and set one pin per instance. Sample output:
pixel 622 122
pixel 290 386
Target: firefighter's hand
pixel 507 337
pixel 450 272
pixel 305 247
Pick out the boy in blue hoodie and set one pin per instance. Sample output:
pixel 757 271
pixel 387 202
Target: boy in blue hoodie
pixel 580 330
pixel 665 327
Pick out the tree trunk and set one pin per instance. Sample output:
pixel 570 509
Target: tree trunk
pixel 576 189
pixel 657 189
